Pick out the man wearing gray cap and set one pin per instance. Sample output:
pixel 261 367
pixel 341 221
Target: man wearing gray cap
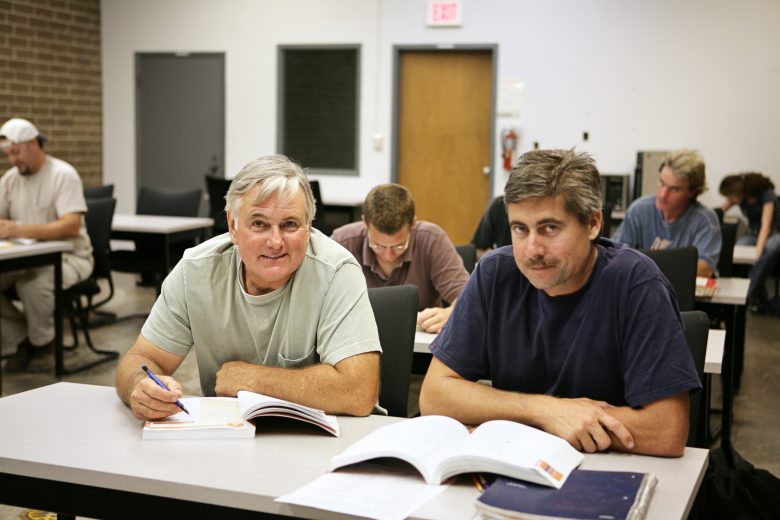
pixel 42 198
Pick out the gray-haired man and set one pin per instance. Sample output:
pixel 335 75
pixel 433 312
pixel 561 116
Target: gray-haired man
pixel 274 307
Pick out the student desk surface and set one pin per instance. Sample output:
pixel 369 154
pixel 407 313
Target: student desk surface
pixel 712 364
pixel 81 449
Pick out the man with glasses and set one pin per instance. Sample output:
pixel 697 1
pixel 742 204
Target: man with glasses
pixel 273 307
pixel 673 217
pixel 41 198
pixel 394 248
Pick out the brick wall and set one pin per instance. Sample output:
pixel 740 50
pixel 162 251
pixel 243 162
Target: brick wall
pixel 50 74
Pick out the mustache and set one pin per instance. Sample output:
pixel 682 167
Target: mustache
pixel 540 262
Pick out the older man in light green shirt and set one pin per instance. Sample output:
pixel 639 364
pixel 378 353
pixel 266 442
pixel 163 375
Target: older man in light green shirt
pixel 274 307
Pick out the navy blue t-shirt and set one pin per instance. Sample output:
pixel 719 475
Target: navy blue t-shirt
pixel 618 339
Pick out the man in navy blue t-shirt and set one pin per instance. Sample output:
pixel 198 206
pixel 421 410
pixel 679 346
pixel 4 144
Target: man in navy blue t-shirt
pixel 580 336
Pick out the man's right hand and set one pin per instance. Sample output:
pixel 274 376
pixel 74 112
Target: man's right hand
pixel 584 423
pixel 149 401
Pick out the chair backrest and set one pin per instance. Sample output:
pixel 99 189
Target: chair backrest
pixel 606 221
pixel 217 188
pixel 719 212
pixel 697 326
pixel 679 267
pixel 315 190
pixel 100 212
pixel 99 192
pixel 728 234
pixel 395 311
pixel 468 252
pixel 170 203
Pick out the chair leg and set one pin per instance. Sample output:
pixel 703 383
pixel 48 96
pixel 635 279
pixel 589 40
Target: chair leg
pixel 106 355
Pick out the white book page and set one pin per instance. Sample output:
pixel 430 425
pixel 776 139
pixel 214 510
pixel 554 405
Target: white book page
pixel 251 402
pixel 509 444
pixel 423 442
pixel 205 412
pixel 372 493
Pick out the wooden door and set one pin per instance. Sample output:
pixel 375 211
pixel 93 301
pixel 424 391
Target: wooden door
pixel 444 129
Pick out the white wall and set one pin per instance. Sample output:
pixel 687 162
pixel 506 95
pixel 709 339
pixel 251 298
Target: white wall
pixel 636 74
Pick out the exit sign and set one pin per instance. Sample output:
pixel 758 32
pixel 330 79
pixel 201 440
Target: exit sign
pixel 445 13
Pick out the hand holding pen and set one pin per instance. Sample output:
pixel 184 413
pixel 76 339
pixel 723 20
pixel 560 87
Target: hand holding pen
pixel 162 385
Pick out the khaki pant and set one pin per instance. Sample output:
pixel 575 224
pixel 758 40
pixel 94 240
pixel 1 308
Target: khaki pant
pixel 35 290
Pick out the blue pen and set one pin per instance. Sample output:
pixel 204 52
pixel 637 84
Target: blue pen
pixel 162 385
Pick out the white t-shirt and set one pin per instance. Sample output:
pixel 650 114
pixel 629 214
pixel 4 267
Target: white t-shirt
pixel 322 314
pixel 43 197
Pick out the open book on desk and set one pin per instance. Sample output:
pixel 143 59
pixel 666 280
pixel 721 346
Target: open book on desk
pixel 229 417
pixel 705 287
pixel 587 495
pixel 441 447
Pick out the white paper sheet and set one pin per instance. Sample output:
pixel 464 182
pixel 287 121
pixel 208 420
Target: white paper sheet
pixel 382 495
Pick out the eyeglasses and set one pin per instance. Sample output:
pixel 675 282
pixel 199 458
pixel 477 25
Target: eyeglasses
pixel 399 248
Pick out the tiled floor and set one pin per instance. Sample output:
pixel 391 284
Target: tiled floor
pixel 756 432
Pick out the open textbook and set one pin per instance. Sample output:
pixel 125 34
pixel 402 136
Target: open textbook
pixel 440 447
pixel 229 417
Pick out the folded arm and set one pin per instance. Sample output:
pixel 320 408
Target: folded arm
pixel 658 429
pixel 351 386
pixel 67 226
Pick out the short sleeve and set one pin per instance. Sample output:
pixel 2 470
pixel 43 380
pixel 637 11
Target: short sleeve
pixel 168 325
pixel 347 326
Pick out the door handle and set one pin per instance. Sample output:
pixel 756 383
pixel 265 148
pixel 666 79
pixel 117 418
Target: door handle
pixel 486 171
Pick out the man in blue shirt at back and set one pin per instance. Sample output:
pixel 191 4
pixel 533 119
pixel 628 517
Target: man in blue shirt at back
pixel 580 336
pixel 673 217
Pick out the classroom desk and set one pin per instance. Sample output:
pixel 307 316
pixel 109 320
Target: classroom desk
pixel 162 231
pixel 165 230
pixel 712 363
pixel 96 464
pixel 19 256
pixel 730 303
pixel 745 255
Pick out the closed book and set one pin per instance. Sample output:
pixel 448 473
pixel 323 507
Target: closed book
pixel 586 495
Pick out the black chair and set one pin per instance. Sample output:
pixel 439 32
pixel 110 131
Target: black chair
pixel 696 324
pixel 606 221
pixel 469 255
pixel 147 259
pixel 98 219
pixel 320 216
pixel 679 267
pixel 395 311
pixel 99 192
pixel 728 234
pixel 217 188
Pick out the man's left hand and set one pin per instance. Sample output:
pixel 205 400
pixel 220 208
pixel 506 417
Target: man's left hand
pixel 232 377
pixel 433 318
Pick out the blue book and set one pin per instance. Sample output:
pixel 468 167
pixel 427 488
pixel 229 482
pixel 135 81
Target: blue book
pixel 586 495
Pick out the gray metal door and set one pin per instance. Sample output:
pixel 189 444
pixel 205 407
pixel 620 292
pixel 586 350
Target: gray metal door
pixel 180 119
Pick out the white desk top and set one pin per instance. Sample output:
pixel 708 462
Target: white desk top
pixel 713 359
pixel 158 223
pixel 712 363
pixel 37 248
pixel 98 443
pixel 745 255
pixel 730 291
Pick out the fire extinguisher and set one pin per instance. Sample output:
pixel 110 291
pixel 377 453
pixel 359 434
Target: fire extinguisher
pixel 508 145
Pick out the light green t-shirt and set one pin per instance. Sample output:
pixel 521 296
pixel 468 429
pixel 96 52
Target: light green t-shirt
pixel 322 314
